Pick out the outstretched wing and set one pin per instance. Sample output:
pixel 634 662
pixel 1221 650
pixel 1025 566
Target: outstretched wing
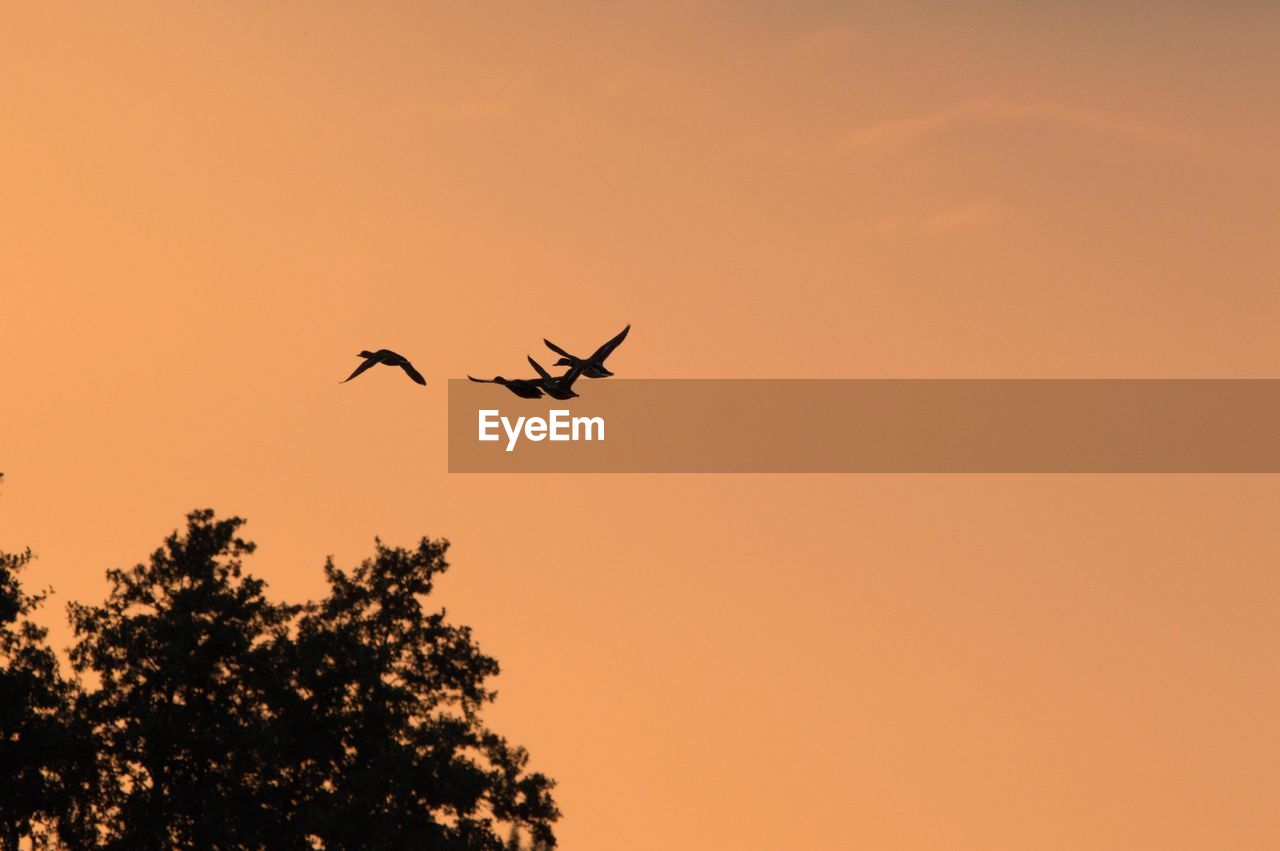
pixel 412 373
pixel 607 349
pixel 368 362
pixel 553 347
pixel 546 376
pixel 566 380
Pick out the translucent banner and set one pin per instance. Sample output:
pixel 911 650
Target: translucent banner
pixel 871 426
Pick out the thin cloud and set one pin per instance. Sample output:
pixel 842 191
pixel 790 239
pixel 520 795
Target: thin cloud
pixel 837 40
pixel 966 218
pixel 969 217
pixel 480 109
pixel 995 110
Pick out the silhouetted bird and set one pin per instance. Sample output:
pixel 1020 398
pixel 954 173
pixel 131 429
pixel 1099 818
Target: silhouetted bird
pixel 525 388
pixel 592 367
pixel 560 387
pixel 388 357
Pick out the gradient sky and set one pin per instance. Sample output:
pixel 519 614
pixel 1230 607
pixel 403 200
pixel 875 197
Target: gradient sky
pixel 206 210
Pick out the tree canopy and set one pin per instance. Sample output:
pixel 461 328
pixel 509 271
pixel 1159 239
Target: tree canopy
pixel 221 719
pixel 44 750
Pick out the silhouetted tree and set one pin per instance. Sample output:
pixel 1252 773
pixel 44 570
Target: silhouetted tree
pixel 514 843
pixel 188 652
pixel 226 721
pixel 45 753
pixel 401 758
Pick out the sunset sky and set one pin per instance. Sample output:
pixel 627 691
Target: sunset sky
pixel 207 210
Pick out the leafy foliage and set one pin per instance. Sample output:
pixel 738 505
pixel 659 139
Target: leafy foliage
pixel 394 693
pixel 45 751
pixel 220 719
pixel 188 650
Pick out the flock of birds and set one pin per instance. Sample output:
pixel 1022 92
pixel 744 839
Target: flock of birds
pixel 555 386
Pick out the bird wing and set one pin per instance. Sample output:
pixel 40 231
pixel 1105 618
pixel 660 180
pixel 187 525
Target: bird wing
pixel 546 376
pixel 566 381
pixel 607 349
pixel 368 362
pixel 553 347
pixel 411 372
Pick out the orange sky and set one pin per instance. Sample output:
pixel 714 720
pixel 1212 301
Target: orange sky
pixel 207 210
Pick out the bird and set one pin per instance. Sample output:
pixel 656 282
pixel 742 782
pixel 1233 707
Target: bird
pixel 560 387
pixel 389 358
pixel 592 367
pixel 525 388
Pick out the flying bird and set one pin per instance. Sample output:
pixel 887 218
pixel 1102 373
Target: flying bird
pixel 560 387
pixel 389 358
pixel 525 388
pixel 592 367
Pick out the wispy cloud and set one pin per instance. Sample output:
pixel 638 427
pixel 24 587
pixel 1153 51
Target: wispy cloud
pixel 952 220
pixel 481 109
pixel 999 111
pixel 837 40
pixel 968 217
